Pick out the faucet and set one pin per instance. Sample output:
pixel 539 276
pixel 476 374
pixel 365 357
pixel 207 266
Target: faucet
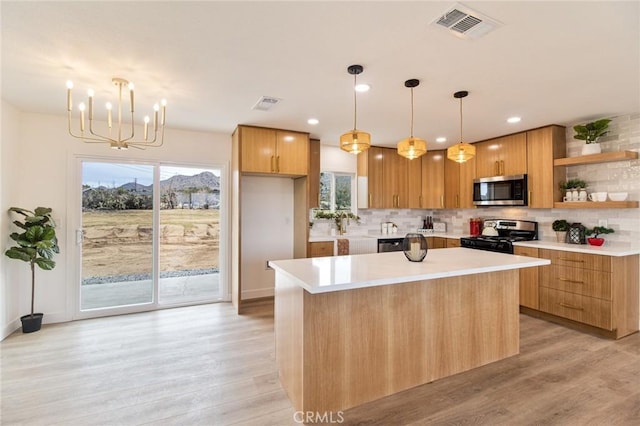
pixel 340 217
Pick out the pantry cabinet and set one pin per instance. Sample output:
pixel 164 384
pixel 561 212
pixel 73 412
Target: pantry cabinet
pixel 273 151
pixel 503 156
pixel 544 146
pixel 599 291
pixel 432 195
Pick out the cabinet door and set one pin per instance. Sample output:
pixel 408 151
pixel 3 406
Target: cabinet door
pixel 543 146
pixel 528 279
pixel 452 242
pixel 375 175
pixel 433 180
pixel 395 177
pixel 451 184
pixel 313 178
pixel 257 149
pixel 413 191
pixel 292 153
pixel 502 156
pixel 467 174
pixel 321 249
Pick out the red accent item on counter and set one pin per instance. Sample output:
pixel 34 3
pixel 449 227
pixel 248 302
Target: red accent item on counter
pixel 474 227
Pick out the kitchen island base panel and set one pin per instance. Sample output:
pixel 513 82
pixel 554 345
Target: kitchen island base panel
pixel 337 350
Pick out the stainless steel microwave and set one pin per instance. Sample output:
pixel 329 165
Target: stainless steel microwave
pixel 500 191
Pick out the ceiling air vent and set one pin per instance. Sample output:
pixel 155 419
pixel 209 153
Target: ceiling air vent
pixel 465 23
pixel 265 103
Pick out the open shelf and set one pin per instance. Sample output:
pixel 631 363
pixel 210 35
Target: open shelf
pixel 597 205
pixel 604 157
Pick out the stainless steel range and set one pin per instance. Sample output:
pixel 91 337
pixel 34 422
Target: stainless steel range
pixel 499 235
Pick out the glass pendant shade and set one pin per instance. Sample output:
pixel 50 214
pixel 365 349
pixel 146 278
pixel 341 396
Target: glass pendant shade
pixel 461 152
pixel 412 147
pixel 355 141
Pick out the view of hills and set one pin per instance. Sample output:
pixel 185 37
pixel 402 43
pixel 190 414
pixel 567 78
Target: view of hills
pixel 178 183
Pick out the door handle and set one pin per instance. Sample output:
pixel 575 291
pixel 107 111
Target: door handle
pixel 570 281
pixel 273 163
pixel 502 167
pixel 442 201
pixel 370 200
pixel 496 168
pixel 278 164
pixel 566 305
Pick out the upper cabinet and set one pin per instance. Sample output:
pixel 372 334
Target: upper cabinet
pixel 502 156
pixel 388 180
pixel 458 188
pixel 543 147
pixel 271 151
pixel 313 178
pixel 432 195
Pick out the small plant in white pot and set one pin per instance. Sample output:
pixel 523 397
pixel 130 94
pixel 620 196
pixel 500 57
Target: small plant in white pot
pixel 36 245
pixel 590 133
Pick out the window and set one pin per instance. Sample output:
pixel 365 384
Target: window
pixel 337 190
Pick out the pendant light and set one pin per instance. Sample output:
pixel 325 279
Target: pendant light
pixel 461 152
pixel 355 141
pixel 412 147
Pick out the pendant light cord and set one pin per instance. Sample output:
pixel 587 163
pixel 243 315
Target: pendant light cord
pixel 355 102
pixel 460 120
pixel 412 113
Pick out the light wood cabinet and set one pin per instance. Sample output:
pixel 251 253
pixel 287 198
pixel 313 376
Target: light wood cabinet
pixel 432 175
pixel 313 178
pixel 529 278
pixel 272 151
pixel 392 181
pixel 544 146
pixel 458 184
pixel 321 249
pixel 436 243
pixel 452 242
pixel 502 156
pixel 600 291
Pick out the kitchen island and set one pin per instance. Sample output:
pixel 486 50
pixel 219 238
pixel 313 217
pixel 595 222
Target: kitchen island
pixel 352 329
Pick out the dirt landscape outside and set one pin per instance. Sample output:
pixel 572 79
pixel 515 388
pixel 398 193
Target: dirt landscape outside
pixel 119 242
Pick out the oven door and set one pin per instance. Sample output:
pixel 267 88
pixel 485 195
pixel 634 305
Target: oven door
pixel 500 191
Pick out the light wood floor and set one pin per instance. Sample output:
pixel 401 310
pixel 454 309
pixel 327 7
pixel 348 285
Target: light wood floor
pixel 204 365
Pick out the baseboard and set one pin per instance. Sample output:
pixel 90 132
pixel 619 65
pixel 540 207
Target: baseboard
pixel 10 328
pixel 257 293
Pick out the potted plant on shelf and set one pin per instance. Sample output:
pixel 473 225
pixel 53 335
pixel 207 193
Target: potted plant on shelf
pixel 595 231
pixel 561 227
pixel 36 245
pixel 575 190
pixel 590 133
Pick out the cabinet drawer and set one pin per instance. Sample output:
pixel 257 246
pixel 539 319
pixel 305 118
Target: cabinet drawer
pixel 453 242
pixel 321 249
pixel 587 310
pixel 577 260
pixel 577 280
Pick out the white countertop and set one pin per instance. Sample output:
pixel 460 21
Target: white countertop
pixel 608 249
pixel 320 238
pixel 326 274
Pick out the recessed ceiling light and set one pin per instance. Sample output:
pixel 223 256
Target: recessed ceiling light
pixel 441 139
pixel 513 120
pixel 313 121
pixel 362 87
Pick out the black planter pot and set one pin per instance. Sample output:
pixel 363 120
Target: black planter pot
pixel 31 323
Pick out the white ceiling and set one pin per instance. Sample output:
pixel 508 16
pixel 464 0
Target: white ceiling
pixel 550 62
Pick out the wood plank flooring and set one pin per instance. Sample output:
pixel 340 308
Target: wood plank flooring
pixel 204 365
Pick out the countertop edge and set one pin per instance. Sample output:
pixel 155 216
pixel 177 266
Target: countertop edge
pixel 604 250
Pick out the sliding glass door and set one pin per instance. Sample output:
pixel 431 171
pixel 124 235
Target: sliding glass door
pixel 149 237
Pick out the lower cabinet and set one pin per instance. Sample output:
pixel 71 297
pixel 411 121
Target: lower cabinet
pixel 453 242
pixel 528 279
pixel 321 249
pixel 436 242
pixel 600 291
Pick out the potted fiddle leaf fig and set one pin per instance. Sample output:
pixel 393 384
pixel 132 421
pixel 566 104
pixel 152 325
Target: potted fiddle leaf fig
pixel 590 133
pixel 35 245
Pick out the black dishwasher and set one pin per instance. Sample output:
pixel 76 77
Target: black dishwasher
pixel 389 244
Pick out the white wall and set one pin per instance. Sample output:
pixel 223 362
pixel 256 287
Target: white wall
pixel 46 156
pixel 333 159
pixel 267 231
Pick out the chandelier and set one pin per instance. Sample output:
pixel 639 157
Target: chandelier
pixel 461 152
pixel 114 136
pixel 355 141
pixel 412 147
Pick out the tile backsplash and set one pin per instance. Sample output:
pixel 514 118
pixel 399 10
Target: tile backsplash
pixel 624 135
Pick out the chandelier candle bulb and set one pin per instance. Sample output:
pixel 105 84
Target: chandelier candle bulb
pixel 90 92
pixel 164 109
pixel 69 87
pixel 155 117
pixel 109 119
pixel 131 96
pixel 146 127
pixel 81 108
